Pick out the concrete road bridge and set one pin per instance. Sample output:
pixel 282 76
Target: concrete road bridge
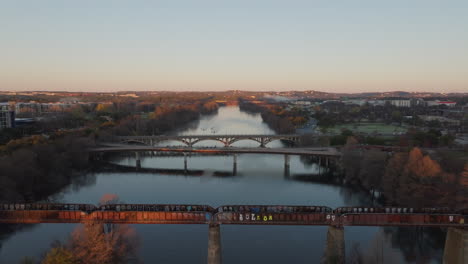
pixel 191 140
pixel 456 250
pixel 324 154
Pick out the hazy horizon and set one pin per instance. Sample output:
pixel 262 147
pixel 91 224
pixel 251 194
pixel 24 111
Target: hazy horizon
pixel 109 46
pixel 221 91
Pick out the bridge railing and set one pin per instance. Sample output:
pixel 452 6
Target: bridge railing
pixel 398 219
pixel 298 218
pixel 273 209
pixel 395 210
pixel 209 135
pixel 157 208
pixel 47 206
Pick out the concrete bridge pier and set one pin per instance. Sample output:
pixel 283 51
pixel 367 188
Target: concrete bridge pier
pixel 262 143
pixel 185 162
pixel 137 160
pixel 234 166
pixel 456 246
pixel 335 246
pixel 287 160
pixel 214 244
pixel 319 165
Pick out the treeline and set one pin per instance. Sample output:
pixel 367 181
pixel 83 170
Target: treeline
pixel 33 168
pixel 119 117
pixel 333 113
pixel 280 124
pixel 164 119
pixel 413 138
pixel 407 178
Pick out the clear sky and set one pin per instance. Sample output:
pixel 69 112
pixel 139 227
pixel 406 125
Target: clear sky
pixel 334 46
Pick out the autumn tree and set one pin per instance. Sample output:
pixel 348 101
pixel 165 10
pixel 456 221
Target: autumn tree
pixel 415 179
pixel 59 255
pixel 95 243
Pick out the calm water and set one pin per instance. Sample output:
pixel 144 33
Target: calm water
pixel 260 180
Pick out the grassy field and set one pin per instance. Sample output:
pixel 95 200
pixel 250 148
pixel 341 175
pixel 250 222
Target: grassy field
pixel 368 128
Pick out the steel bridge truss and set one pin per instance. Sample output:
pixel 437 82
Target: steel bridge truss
pixel 231 214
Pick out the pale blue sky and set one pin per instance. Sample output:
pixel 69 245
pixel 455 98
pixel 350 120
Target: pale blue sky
pixel 337 46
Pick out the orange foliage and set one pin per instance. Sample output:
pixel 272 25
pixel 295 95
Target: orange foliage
pixel 108 198
pixel 90 244
pixel 422 166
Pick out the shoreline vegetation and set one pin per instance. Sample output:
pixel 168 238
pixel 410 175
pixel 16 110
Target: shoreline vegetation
pixel 408 177
pixel 36 167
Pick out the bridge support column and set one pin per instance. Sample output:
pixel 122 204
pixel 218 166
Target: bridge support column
pixel 335 246
pixel 234 166
pixel 320 165
pixel 185 162
pixel 456 246
pixel 287 159
pixel 214 244
pixel 262 143
pixel 137 160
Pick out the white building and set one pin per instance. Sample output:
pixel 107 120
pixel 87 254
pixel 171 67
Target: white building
pixel 7 117
pixel 400 103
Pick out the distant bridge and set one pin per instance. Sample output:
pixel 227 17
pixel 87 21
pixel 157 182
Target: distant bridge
pixel 321 151
pixel 456 249
pixel 190 140
pixel 325 153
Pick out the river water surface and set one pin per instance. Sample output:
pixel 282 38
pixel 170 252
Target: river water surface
pixel 260 180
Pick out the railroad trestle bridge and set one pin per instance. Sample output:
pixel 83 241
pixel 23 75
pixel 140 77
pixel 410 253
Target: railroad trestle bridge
pixel 191 140
pixel 335 219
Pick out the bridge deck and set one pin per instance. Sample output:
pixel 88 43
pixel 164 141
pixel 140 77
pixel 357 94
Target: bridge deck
pixel 331 152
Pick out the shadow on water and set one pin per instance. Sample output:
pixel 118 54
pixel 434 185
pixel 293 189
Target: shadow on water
pixel 109 167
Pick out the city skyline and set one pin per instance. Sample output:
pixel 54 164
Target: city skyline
pixel 88 46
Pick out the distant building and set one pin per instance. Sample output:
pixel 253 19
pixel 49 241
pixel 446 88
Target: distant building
pixel 376 102
pixel 129 95
pixel 437 103
pixel 418 102
pixel 302 103
pixel 359 102
pixel 7 116
pixel 400 103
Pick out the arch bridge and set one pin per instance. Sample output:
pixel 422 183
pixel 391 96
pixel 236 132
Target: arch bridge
pixel 190 140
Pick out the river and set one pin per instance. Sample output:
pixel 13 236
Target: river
pixel 260 180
